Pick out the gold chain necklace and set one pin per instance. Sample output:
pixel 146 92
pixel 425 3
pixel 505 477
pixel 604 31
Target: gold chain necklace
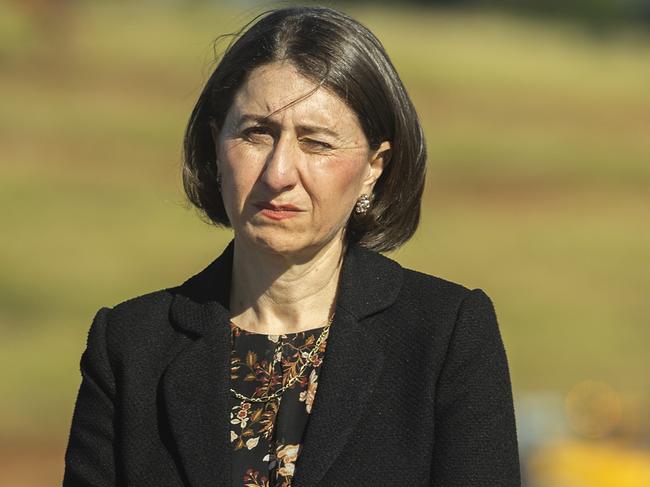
pixel 293 379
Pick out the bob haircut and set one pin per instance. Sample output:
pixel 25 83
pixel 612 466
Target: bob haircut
pixel 338 53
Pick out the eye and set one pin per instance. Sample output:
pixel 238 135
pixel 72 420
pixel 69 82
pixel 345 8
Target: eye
pixel 316 144
pixel 256 133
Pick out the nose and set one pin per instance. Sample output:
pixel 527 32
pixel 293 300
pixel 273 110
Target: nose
pixel 280 171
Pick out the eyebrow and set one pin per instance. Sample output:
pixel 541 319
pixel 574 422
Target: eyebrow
pixel 308 128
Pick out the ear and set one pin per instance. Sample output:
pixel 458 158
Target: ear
pixel 378 161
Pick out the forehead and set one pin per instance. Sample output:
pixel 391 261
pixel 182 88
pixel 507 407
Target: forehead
pixel 269 88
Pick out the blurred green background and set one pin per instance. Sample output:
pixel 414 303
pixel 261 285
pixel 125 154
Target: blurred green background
pixel 538 192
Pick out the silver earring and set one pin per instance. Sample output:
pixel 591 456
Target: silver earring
pixel 362 205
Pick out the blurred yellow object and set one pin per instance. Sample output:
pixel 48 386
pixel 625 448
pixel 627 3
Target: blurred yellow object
pixel 590 464
pixel 593 408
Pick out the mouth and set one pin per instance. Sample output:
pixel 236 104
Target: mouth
pixel 278 212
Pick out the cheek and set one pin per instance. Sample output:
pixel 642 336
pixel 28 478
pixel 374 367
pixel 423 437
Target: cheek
pixel 240 164
pixel 338 182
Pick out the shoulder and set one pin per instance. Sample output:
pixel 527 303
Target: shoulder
pixel 431 289
pixel 415 281
pixel 144 307
pixel 153 320
pixel 428 291
pixel 435 306
pixel 408 290
pixel 138 320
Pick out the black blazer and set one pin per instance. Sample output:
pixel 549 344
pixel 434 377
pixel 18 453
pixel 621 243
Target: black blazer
pixel 414 388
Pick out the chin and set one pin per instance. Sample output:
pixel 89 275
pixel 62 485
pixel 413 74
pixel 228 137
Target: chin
pixel 282 241
pixel 277 242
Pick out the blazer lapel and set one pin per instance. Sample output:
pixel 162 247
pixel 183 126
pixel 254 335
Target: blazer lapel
pixel 196 399
pixel 353 360
pixel 196 384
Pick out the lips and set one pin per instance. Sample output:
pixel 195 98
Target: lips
pixel 271 206
pixel 277 212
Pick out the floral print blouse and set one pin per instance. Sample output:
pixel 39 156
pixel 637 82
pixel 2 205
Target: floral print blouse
pixel 266 436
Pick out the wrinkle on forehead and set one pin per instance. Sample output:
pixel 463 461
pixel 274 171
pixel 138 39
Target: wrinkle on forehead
pixel 291 91
pixel 270 93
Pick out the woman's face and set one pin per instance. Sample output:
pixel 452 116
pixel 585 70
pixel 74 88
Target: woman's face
pixel 312 155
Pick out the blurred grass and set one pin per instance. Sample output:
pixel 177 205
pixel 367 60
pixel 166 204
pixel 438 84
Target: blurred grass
pixel 537 192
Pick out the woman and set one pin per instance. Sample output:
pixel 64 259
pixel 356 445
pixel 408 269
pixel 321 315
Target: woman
pixel 300 356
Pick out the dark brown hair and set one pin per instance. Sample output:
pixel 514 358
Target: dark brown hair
pixel 336 51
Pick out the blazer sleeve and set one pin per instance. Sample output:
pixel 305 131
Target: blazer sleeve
pixel 475 441
pixel 89 457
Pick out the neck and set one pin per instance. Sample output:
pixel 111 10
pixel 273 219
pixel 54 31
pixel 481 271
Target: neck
pixel 275 293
